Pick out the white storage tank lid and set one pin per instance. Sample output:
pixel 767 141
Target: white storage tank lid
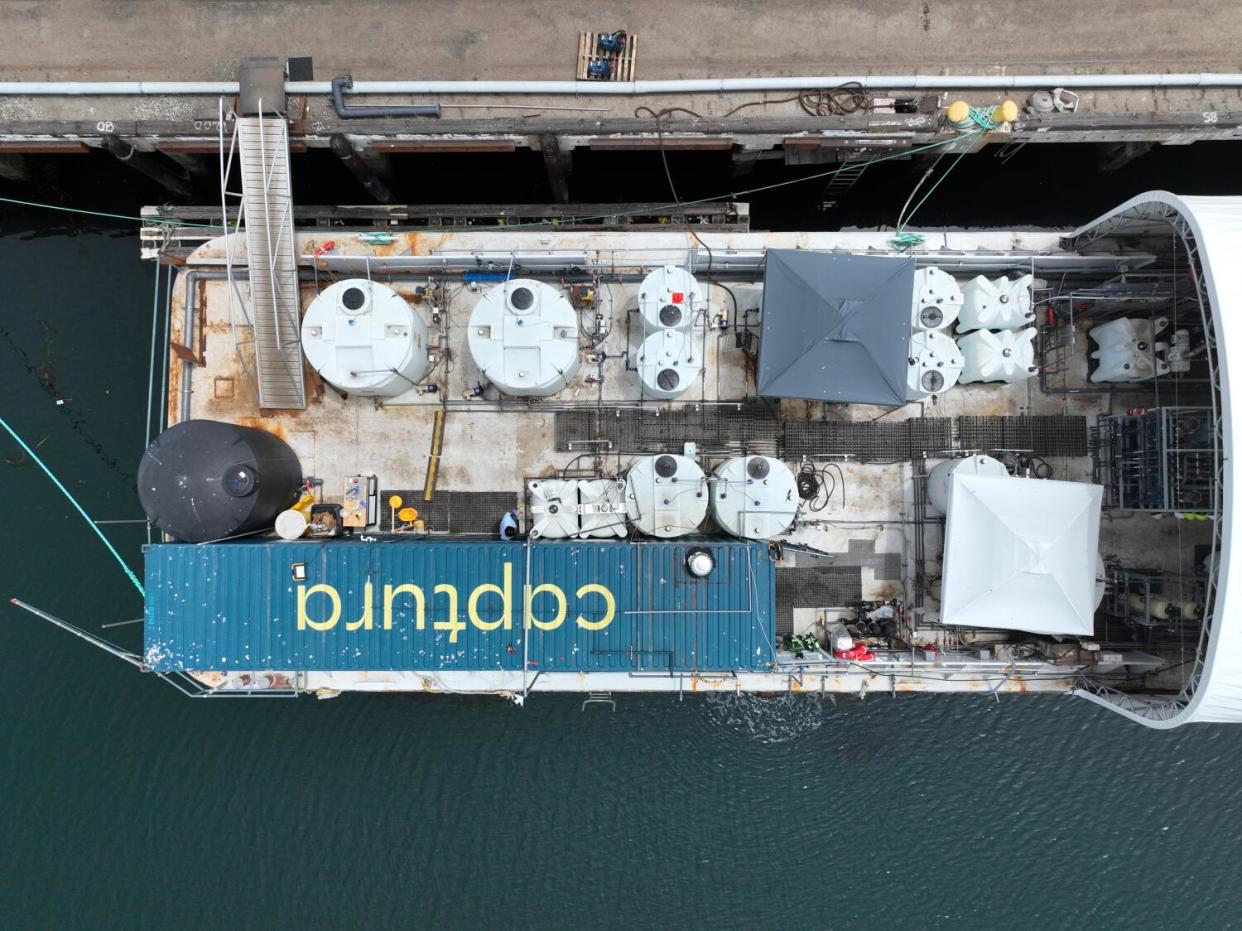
pixel 666 496
pixel 754 497
pixel 669 362
pixel 523 336
pixel 363 337
pixel 935 364
pixel 669 298
pixel 940 478
pixel 1003 355
pixel 937 299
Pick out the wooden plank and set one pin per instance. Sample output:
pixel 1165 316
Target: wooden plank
pixel 695 144
pixel 46 146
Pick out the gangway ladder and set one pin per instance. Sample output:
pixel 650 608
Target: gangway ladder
pixel 841 181
pixel 600 698
pixel 275 302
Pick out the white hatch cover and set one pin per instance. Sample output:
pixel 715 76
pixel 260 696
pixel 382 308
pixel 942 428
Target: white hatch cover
pixel 523 336
pixel 754 497
pixel 363 337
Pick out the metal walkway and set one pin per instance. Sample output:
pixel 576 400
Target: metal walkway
pixel 275 305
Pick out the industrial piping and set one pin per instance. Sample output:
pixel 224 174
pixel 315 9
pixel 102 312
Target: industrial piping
pixel 636 88
pixel 345 82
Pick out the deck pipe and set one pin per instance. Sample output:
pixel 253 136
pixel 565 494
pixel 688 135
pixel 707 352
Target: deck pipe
pixel 634 88
pixel 345 82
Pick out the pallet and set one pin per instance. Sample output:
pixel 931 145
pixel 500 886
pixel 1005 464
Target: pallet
pixel 622 64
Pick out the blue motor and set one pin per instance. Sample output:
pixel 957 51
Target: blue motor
pixel 612 42
pixel 600 69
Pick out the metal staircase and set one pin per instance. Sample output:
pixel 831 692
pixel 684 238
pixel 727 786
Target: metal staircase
pixel 275 304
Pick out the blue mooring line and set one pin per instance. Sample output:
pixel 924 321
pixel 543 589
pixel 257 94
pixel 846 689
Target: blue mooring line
pixel 72 500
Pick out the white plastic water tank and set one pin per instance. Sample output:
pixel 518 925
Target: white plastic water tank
pixel 935 365
pixel 523 336
pixel 666 496
pixel 937 299
pixel 1001 355
pixel 553 508
pixel 996 304
pixel 670 298
pixel 363 337
pixel 941 477
pixel 601 502
pixel 1128 349
pixel 669 362
pixel 754 497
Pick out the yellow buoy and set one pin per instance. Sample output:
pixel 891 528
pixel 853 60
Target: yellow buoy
pixel 958 115
pixel 408 515
pixel 395 501
pixel 1007 112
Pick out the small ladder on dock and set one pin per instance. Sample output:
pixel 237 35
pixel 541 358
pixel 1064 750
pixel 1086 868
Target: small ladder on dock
pixel 600 698
pixel 275 302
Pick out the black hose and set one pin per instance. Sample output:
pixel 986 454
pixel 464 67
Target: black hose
pixel 345 82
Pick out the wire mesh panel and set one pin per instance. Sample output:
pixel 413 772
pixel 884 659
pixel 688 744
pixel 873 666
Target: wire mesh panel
pixel 868 441
pixel 814 587
pixel 1042 435
pixel 750 426
pixel 465 512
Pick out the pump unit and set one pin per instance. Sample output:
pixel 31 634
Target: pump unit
pixel 1128 349
pixel 937 299
pixel 940 478
pixel 754 497
pixel 363 337
pixel 669 362
pixel 935 365
pixel 666 496
pixel 1002 355
pixel 670 298
pixel 523 336
pixel 996 304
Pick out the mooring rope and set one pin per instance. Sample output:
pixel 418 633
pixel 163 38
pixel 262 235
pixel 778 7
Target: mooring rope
pixel 74 501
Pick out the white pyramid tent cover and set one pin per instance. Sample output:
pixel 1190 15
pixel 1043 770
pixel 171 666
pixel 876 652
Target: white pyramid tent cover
pixel 1020 554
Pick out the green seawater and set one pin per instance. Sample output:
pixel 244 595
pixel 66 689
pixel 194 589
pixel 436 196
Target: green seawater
pixel 127 805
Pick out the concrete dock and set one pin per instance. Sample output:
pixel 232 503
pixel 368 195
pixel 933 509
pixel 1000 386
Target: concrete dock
pixel 538 40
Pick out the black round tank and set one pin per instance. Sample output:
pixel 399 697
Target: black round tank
pixel 205 480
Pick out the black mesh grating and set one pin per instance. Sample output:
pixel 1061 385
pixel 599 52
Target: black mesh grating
pixel 814 587
pixel 1051 435
pixel 472 512
pixel 719 429
pixel 868 441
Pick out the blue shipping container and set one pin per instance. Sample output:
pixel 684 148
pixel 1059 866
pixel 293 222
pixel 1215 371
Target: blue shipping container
pixel 439 605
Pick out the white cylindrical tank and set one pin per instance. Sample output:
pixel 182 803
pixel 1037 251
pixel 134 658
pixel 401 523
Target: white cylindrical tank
pixel 363 337
pixel 669 362
pixel 666 496
pixel 996 304
pixel 523 336
pixel 754 497
pixel 940 479
pixel 937 299
pixel 935 364
pixel 1001 355
pixel 670 298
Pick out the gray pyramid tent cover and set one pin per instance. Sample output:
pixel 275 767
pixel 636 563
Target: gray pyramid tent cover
pixel 836 327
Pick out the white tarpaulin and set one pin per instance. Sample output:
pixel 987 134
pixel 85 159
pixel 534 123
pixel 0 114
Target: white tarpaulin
pixel 1020 554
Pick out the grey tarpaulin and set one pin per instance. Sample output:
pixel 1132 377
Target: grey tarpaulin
pixel 836 327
